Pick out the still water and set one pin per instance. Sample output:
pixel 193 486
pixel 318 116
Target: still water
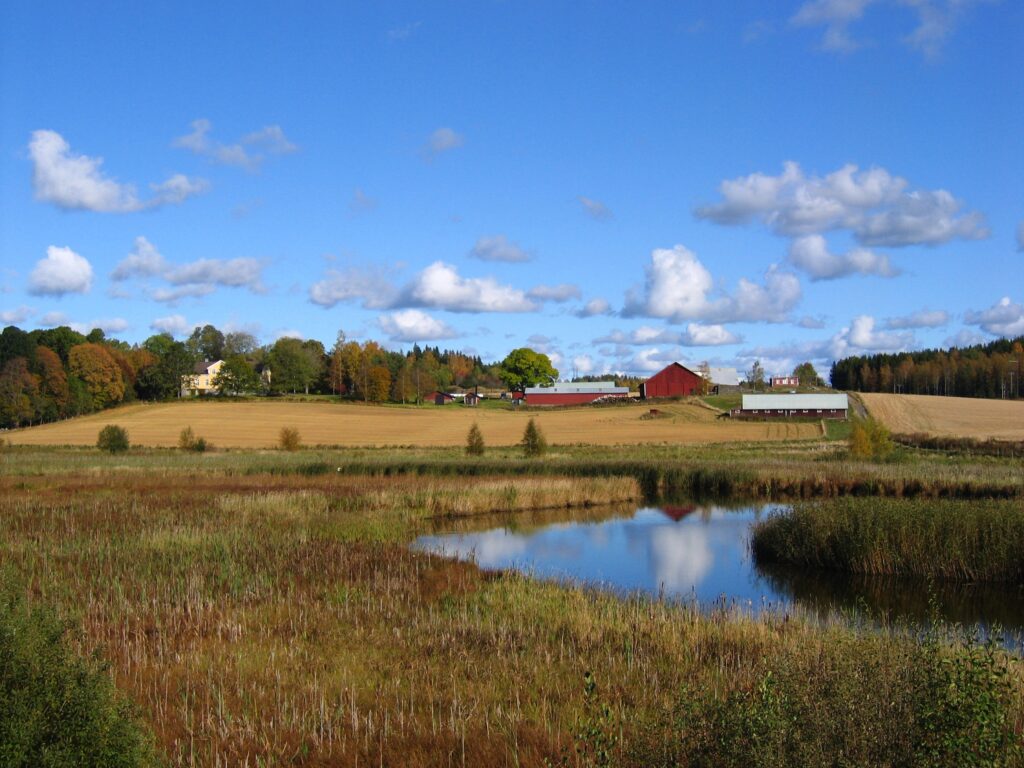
pixel 702 553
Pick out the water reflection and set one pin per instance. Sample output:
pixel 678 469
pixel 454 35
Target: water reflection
pixel 702 553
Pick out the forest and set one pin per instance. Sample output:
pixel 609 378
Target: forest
pixel 990 370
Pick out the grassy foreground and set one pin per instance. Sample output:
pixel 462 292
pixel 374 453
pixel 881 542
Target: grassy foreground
pixel 946 539
pixel 258 616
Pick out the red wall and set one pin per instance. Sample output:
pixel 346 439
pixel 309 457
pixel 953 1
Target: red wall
pixel 567 398
pixel 673 381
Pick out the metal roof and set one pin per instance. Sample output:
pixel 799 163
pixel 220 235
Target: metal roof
pixel 728 376
pixel 795 402
pixel 579 387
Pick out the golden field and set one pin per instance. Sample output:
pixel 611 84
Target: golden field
pixel 257 424
pixel 948 416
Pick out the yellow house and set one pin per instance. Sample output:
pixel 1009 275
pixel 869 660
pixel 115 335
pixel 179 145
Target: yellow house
pixel 200 382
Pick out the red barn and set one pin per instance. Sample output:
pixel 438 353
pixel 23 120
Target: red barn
pixel 674 380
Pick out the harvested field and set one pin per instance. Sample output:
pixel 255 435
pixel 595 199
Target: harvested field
pixel 257 425
pixel 956 416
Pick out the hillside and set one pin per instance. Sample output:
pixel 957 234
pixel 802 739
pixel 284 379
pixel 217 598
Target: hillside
pixel 256 424
pixel 953 416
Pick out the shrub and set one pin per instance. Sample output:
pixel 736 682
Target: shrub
pixel 474 441
pixel 113 438
pixel 187 441
pixel 59 709
pixel 289 439
pixel 870 440
pixel 533 443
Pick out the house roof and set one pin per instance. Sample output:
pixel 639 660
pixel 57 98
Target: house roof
pixel 204 366
pixel 795 402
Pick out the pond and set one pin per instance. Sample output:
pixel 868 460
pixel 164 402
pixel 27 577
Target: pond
pixel 701 553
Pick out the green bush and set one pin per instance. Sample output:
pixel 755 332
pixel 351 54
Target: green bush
pixel 188 441
pixel 870 440
pixel 474 441
pixel 58 710
pixel 113 438
pixel 533 443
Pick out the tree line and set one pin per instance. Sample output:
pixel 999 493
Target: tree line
pixel 990 370
pixel 51 374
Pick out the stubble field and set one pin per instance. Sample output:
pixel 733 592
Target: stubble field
pixel 948 416
pixel 257 424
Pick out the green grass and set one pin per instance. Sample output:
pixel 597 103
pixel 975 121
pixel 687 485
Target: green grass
pixel 940 539
pixel 724 402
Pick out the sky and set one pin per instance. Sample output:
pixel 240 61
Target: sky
pixel 619 185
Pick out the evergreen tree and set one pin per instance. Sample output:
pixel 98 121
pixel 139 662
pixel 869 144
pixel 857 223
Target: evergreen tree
pixel 475 441
pixel 533 443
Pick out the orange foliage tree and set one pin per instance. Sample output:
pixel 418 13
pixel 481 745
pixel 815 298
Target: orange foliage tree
pixel 93 364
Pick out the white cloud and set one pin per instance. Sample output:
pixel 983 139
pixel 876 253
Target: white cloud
pixel 836 16
pixel 62 271
pixel 143 261
pixel 595 209
pixel 76 182
pixel 923 319
pixel 498 248
pixel 443 140
pixel 53 319
pixel 582 364
pixel 370 285
pixel 360 202
pixel 698 335
pixel 270 139
pixel 440 286
pixel 176 325
pixel 174 295
pixel 557 293
pixel 649 360
pixel 876 207
pixel 810 253
pixel 16 316
pixel 814 323
pixel 233 273
pixel 936 21
pixel 678 285
pixel 411 325
pixel 965 338
pixel 106 324
pixel 862 334
pixel 1004 318
pixel 594 307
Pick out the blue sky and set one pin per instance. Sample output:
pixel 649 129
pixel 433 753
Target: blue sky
pixel 619 185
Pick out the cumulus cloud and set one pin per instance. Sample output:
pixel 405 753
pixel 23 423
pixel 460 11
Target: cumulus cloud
pixel 964 338
pixel 16 316
pixel 836 16
pixel 875 206
pixel 593 308
pixel 77 182
pixel 923 319
pixel 678 288
pixel 498 248
pixel 595 209
pixel 176 325
pixel 810 253
pixel 1004 318
pixel 862 334
pixel 411 325
pixel 371 286
pixel 582 365
pixel 648 360
pixel 440 286
pixel 143 261
pixel 556 293
pixel 698 335
pixel 442 140
pixel 695 335
pixel 62 271
pixel 232 273
pixel 813 323
pixel 248 153
pixel 174 295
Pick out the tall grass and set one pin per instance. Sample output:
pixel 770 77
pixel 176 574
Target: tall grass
pixel 942 539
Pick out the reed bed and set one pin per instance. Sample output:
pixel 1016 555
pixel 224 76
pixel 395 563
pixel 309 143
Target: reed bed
pixel 939 539
pixel 282 620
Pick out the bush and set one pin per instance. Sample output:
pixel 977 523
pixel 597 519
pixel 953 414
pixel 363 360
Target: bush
pixel 870 440
pixel 187 441
pixel 113 438
pixel 533 443
pixel 474 441
pixel 289 439
pixel 57 709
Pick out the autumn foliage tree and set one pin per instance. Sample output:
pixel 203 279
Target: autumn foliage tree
pixel 93 364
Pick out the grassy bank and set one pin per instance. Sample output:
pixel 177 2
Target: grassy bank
pixel 945 539
pixel 282 619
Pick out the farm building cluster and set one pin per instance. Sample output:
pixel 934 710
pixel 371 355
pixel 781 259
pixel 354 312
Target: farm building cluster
pixel 673 381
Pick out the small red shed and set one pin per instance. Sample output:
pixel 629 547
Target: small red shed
pixel 674 380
